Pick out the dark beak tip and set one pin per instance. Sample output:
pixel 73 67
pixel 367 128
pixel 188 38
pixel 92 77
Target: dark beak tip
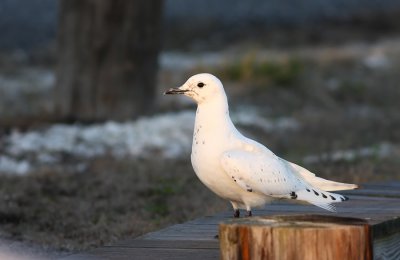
pixel 173 91
pixel 169 92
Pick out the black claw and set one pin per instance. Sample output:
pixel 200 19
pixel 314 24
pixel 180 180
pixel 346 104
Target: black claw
pixel 293 195
pixel 236 213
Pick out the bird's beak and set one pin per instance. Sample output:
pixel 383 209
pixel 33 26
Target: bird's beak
pixel 173 91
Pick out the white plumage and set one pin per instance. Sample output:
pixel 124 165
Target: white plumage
pixel 239 169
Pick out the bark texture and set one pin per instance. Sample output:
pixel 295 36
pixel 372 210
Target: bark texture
pixel 107 58
pixel 295 237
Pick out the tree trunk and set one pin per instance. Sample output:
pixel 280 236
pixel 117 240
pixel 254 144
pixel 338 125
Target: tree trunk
pixel 107 58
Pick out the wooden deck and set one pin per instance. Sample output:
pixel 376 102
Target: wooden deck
pixel 378 204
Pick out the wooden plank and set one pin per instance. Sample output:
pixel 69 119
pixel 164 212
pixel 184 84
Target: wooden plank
pixel 122 253
pixel 378 205
pixel 157 243
pixel 380 189
pixel 383 189
pixel 387 184
pixel 387 247
pixel 374 192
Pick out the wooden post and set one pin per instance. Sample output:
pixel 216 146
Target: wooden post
pixel 311 237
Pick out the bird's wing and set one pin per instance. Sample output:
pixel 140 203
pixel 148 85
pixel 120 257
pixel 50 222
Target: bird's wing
pixel 260 172
pixel 270 175
pixel 318 182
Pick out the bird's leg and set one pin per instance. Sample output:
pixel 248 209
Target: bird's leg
pixel 249 214
pixel 236 213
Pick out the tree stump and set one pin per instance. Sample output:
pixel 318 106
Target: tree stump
pixel 311 237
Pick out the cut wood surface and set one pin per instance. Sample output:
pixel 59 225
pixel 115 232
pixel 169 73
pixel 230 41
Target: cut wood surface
pixel 375 205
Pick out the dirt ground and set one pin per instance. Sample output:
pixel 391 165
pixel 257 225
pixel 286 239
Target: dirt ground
pixel 345 98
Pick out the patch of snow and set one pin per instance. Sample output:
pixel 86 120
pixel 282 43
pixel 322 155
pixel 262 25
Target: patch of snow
pixel 250 117
pixel 383 150
pixel 23 250
pixel 377 59
pixel 27 80
pixel 161 133
pixel 333 84
pixel 11 165
pixel 26 92
pixel 179 61
pixel 166 136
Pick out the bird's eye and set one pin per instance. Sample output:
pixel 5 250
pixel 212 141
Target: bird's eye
pixel 200 84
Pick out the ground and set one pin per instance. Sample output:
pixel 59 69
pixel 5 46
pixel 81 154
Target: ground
pixel 333 110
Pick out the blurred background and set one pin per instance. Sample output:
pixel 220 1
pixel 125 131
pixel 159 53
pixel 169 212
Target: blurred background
pixel 92 152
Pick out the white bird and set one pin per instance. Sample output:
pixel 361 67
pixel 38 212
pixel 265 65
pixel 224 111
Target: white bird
pixel 239 169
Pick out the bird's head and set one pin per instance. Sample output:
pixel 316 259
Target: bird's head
pixel 201 88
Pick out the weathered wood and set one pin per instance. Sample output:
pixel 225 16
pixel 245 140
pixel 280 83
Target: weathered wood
pixel 154 253
pixel 387 247
pixel 195 239
pixel 295 237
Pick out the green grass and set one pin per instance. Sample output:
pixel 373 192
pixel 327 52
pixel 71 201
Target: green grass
pixel 351 91
pixel 158 196
pixel 265 73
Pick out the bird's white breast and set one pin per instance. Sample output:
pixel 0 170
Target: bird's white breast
pixel 211 138
pixel 206 151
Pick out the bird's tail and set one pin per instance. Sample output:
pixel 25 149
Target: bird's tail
pixel 317 197
pixel 324 184
pixel 318 182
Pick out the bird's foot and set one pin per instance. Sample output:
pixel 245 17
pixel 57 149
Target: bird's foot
pixel 236 213
pixel 249 214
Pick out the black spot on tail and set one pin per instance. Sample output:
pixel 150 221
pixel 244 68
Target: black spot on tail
pixel 333 198
pixel 249 189
pixel 316 193
pixel 308 190
pixel 324 196
pixel 293 195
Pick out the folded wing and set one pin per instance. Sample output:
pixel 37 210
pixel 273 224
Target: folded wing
pixel 272 176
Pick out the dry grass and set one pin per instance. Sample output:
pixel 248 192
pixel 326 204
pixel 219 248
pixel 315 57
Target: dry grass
pixel 111 201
